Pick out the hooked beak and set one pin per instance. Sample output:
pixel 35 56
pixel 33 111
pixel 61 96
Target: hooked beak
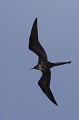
pixel 31 68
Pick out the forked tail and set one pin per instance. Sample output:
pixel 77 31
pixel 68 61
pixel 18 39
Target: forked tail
pixel 59 63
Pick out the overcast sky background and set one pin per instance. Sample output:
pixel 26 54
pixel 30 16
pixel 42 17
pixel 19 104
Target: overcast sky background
pixel 58 27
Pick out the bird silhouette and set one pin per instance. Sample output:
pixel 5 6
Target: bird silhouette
pixel 43 64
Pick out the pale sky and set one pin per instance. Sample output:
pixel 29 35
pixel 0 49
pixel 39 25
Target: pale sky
pixel 58 27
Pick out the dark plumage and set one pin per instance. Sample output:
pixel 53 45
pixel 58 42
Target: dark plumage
pixel 43 64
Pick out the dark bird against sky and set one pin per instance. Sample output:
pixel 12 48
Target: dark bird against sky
pixel 43 64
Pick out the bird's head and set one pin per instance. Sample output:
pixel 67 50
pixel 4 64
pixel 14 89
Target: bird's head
pixel 35 67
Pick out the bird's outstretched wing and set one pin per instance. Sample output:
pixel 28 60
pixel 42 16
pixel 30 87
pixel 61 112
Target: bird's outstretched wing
pixel 34 44
pixel 44 84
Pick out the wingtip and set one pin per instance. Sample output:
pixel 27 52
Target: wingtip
pixel 36 19
pixel 69 62
pixel 56 104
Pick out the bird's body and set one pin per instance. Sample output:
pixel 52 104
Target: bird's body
pixel 43 64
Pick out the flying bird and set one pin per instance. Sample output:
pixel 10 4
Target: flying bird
pixel 43 64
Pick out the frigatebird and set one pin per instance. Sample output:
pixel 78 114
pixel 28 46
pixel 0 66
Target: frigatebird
pixel 43 64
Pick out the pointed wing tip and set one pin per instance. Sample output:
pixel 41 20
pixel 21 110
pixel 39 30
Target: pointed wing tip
pixel 49 95
pixel 35 19
pixel 54 101
pixel 56 104
pixel 33 35
pixel 69 61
